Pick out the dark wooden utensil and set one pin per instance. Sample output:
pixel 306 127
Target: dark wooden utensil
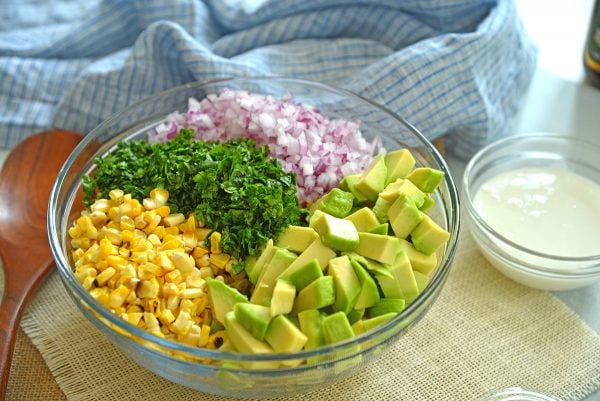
pixel 25 184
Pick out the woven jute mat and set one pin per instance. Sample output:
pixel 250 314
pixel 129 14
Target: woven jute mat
pixel 484 332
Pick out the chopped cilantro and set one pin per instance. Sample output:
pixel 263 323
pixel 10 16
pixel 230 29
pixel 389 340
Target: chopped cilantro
pixel 236 188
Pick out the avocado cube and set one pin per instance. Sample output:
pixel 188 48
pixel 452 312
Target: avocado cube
pixel 426 179
pixel 387 305
pixel 336 202
pixel 282 258
pixel 381 229
pixel 427 237
pixel 302 275
pixel 402 186
pixel 399 164
pixel 380 208
pixel 421 279
pixel 318 294
pixel 382 248
pixel 418 260
pixel 311 324
pixel 372 181
pixel 337 234
pixel 377 268
pixel 282 301
pixel 355 315
pixel 404 216
pixel 242 340
pixel 403 273
pixel 348 184
pixel 369 293
pixel 347 286
pixel 296 238
pixel 222 298
pixel 368 324
pixel 364 219
pixel 284 336
pixel 428 202
pixel 316 250
pixel 254 318
pixel 255 265
pixel 336 328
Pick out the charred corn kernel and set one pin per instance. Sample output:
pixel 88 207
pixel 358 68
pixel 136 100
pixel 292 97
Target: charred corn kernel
pixel 215 240
pixel 204 335
pixel 152 305
pixel 174 277
pixel 174 219
pixel 100 205
pixel 166 317
pixel 118 296
pixel 182 323
pixel 106 275
pixel 151 321
pixel 190 293
pixel 132 317
pixel 116 195
pixel 183 262
pixel 148 288
pixel 75 232
pixel 219 259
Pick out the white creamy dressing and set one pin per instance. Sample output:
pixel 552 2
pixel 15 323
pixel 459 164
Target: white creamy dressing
pixel 547 210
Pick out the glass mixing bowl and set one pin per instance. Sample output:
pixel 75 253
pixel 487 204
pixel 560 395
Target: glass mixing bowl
pixel 216 371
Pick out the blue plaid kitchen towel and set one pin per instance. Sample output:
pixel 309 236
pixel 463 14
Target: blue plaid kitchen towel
pixel 450 67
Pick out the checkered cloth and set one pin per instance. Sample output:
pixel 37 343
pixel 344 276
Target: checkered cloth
pixel 450 67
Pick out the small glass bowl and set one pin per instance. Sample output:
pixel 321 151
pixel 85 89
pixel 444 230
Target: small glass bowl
pixel 230 373
pixel 523 265
pixel 518 394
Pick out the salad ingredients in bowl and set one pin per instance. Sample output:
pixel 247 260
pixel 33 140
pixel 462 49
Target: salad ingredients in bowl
pixel 199 248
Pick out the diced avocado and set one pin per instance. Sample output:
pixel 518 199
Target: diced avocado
pixel 387 305
pixel 403 273
pixel 389 286
pixel 284 336
pixel 311 324
pixel 296 238
pixel 421 279
pixel 336 328
pixel 381 229
pixel 382 248
pixel 222 298
pixel 282 258
pixel 404 216
pixel 418 260
pixel 399 164
pixel 302 275
pixel 337 234
pixel 355 315
pixel 373 322
pixel 242 340
pixel 369 294
pixel 427 237
pixel 381 208
pixel 401 186
pixel 428 202
pixel 318 294
pixel 254 318
pixel 348 184
pixel 377 268
pixel 336 203
pixel 425 178
pixel 372 181
pixel 347 286
pixel 363 219
pixel 284 294
pixel 316 250
pixel 255 266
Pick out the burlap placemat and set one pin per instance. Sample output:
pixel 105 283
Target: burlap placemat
pixel 484 332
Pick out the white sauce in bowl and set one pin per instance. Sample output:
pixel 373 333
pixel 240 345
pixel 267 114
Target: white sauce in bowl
pixel 550 211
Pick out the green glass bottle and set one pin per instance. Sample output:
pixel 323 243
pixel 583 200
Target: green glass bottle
pixel 591 54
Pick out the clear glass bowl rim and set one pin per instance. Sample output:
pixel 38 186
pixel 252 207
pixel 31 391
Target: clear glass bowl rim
pixel 386 328
pixel 467 198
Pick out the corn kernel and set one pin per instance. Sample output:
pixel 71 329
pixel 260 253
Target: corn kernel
pixel 160 195
pixel 215 240
pixel 116 195
pixel 190 293
pixel 132 317
pixel 189 226
pixel 151 321
pixel 101 295
pixel 204 335
pixel 101 205
pixel 163 211
pixel 174 277
pixel 106 275
pixel 219 259
pixel 148 288
pixel 172 302
pixel 166 317
pixel 174 219
pixel 183 262
pixel 75 232
pixel 182 324
pixel 202 233
pixel 118 296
